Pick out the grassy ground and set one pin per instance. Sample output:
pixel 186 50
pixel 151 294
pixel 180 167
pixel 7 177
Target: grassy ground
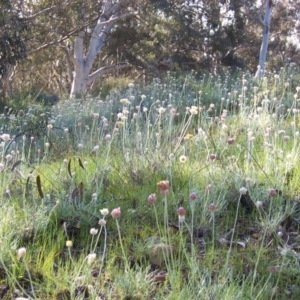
pixel 181 189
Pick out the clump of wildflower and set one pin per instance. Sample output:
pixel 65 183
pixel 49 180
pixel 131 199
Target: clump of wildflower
pixel 181 211
pixel 49 126
pixel 272 192
pixel 152 198
pixel 181 214
pixel 183 159
pixel 231 141
pixel 125 101
pixel 164 186
pixel 93 231
pixel 21 252
pixel 5 137
pixel 116 213
pixel 91 258
pixel 8 157
pixel 161 110
pixel 212 156
pixel 212 207
pixel 193 196
pixel 243 191
pixel 102 222
pixel 194 110
pixel 69 244
pixel 104 212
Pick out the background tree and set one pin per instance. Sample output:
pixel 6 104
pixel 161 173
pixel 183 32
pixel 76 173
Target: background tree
pixel 12 45
pixel 73 43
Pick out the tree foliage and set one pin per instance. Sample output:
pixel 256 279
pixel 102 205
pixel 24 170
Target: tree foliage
pixel 165 35
pixel 12 29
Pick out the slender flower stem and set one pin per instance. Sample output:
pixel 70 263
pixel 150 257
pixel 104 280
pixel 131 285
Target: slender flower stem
pixel 258 259
pixel 70 255
pixel 97 240
pixel 156 217
pixel 92 244
pixel 122 248
pixel 233 232
pixel 213 233
pixel 104 247
pixel 29 276
pixel 192 224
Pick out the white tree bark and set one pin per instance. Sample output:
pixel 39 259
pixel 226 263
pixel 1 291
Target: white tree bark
pixel 82 76
pixel 265 41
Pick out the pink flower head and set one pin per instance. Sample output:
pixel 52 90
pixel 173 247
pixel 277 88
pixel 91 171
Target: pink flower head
pixel 181 211
pixel 193 196
pixel 231 141
pixel 163 185
pixel 272 192
pixel 152 198
pixel 212 156
pixel 116 213
pixel 212 207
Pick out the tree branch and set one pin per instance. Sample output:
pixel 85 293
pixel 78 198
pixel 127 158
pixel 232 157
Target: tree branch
pixel 107 69
pixel 129 14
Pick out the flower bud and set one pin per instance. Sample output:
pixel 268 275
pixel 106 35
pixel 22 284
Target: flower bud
pixel 152 198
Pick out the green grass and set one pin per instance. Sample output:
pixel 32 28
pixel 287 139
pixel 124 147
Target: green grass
pixel 225 140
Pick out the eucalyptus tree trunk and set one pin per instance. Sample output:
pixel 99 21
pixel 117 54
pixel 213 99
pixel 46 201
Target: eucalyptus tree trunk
pixel 83 62
pixel 265 41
